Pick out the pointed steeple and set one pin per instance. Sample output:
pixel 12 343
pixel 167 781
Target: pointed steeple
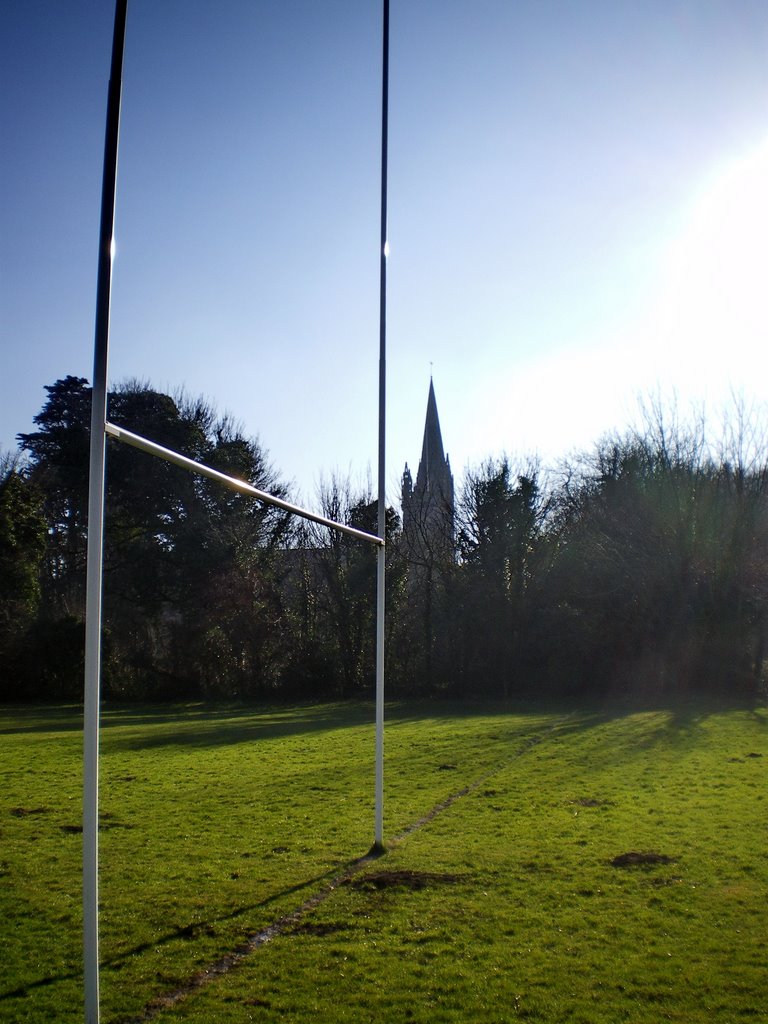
pixel 432 465
pixel 428 505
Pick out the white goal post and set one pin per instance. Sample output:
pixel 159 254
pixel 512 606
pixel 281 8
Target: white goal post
pixel 101 429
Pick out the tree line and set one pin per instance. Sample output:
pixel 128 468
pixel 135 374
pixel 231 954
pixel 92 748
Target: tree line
pixel 639 569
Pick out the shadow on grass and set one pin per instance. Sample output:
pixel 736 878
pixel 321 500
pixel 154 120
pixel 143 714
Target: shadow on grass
pixel 189 724
pixel 34 718
pixel 191 931
pixel 200 725
pixel 675 725
pixel 205 727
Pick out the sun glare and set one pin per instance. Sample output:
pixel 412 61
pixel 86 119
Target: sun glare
pixel 704 337
pixel 713 313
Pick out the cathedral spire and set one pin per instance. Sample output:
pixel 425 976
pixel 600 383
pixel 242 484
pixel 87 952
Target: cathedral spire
pixel 432 465
pixel 428 504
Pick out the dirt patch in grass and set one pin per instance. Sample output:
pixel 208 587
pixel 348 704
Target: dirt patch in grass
pixel 635 859
pixel 402 879
pixel 24 812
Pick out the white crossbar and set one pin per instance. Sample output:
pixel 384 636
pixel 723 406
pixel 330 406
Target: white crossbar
pixel 137 441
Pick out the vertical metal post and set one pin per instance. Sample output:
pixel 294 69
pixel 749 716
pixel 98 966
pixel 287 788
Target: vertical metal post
pixel 96 482
pixel 382 508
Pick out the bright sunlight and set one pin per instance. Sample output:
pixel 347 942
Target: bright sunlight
pixel 713 313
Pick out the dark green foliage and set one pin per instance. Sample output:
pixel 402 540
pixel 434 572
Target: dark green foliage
pixel 191 589
pixel 660 567
pixel 331 588
pixel 642 571
pixel 501 518
pixel 58 452
pixel 50 660
pixel 22 546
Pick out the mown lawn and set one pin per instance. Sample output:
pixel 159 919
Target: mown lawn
pixel 505 906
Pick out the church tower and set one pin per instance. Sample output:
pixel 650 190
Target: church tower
pixel 428 505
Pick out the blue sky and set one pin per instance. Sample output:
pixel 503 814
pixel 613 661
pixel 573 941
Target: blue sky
pixel 578 214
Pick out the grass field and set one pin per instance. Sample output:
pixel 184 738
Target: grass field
pixel 504 906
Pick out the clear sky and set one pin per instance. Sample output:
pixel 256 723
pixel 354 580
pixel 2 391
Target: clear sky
pixel 578 214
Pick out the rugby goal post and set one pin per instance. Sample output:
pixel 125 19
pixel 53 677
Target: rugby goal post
pixel 101 428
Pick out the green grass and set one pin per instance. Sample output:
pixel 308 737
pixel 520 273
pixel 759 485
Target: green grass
pixel 218 822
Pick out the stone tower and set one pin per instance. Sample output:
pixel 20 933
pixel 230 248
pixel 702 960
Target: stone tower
pixel 428 505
